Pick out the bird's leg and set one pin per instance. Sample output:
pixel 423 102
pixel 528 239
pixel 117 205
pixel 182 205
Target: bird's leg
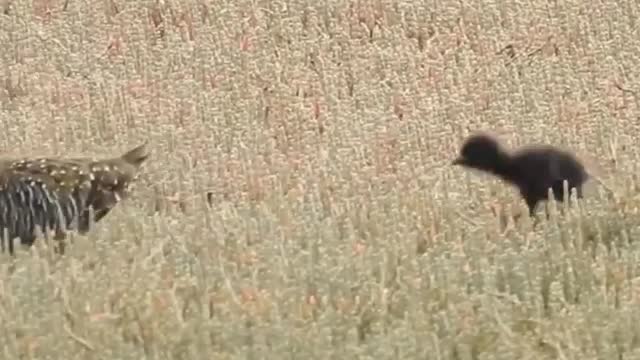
pixel 532 204
pixel 536 221
pixel 11 249
pixel 59 247
pixel 59 244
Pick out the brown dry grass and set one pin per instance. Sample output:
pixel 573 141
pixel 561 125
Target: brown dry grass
pixel 321 134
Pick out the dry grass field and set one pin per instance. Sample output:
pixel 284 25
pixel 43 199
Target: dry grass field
pixel 299 202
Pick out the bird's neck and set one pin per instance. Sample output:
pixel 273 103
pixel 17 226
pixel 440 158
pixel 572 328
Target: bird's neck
pixel 503 167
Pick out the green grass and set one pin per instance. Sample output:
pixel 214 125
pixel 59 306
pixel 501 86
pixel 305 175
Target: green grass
pixel 321 133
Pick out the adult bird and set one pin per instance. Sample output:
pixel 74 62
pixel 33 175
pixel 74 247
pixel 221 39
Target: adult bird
pixel 62 194
pixel 533 170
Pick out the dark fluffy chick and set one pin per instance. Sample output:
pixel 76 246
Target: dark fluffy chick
pixel 532 170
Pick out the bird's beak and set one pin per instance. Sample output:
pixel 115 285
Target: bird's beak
pixel 458 161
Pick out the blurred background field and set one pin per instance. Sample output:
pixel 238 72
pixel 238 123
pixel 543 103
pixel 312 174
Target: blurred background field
pixel 299 201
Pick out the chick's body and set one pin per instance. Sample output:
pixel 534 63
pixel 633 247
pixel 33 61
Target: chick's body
pixel 533 170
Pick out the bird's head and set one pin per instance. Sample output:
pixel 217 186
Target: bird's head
pixel 481 152
pixel 114 177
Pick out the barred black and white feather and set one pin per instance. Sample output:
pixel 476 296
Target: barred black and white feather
pixel 58 195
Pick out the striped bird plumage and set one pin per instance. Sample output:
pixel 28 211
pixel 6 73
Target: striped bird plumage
pixel 58 195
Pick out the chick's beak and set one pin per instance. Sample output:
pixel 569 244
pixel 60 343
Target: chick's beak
pixel 458 161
